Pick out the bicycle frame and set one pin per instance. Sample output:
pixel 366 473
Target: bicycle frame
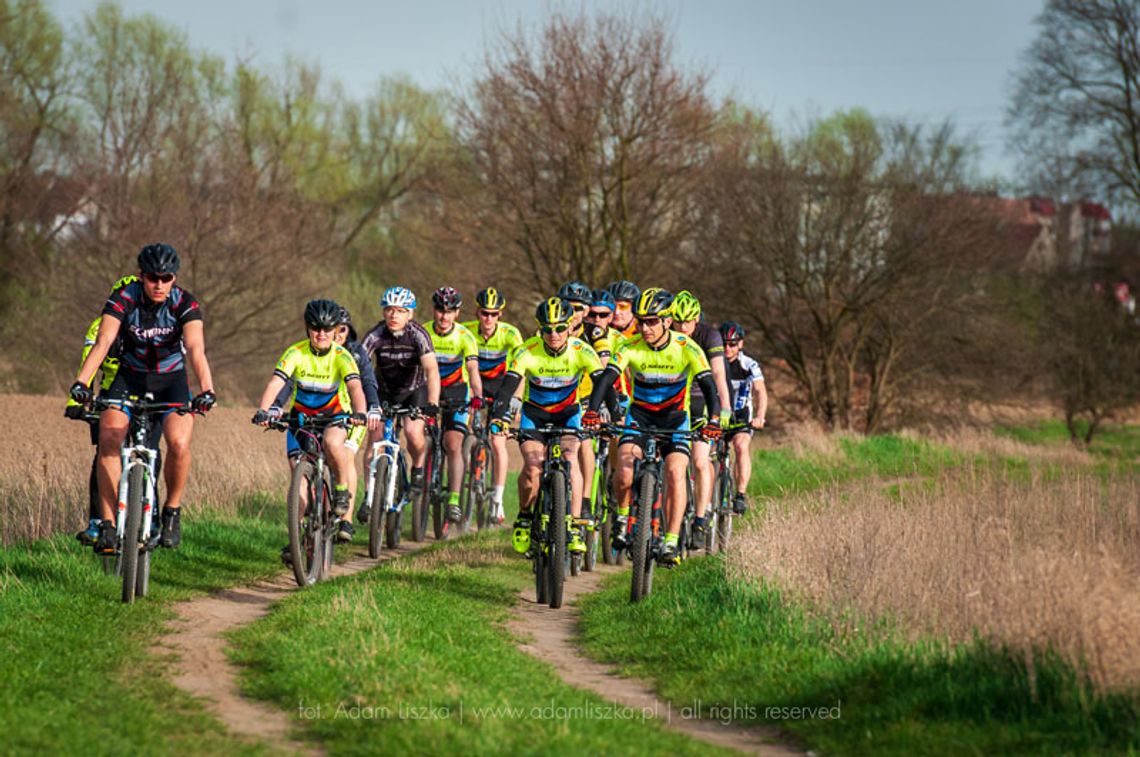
pixel 389 449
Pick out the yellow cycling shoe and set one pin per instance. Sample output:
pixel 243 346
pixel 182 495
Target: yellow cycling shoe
pixel 520 538
pixel 575 544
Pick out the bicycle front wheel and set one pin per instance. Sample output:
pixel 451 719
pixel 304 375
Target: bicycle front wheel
pixel 641 579
pixel 556 564
pixel 305 538
pixel 379 508
pixel 133 542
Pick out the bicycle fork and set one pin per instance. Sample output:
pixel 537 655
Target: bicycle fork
pixel 136 457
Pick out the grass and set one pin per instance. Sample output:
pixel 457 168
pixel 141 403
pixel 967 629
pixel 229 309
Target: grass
pixel 81 670
pixel 748 650
pixel 1112 442
pixel 413 658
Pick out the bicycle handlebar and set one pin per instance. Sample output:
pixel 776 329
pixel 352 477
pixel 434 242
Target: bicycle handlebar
pixel 143 406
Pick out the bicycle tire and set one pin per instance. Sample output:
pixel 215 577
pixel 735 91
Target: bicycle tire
pixel 538 545
pixel 142 577
pixel 113 565
pixel 557 564
pixel 483 456
pixel 304 543
pixel 379 508
pixel 328 529
pixel 724 505
pixel 420 504
pixel 640 557
pixel 130 545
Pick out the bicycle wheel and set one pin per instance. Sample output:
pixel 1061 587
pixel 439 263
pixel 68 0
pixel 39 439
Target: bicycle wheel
pixel 132 540
pixel 481 462
pixel 642 536
pixel 438 517
pixel 556 564
pixel 328 529
pixel 421 504
pixel 379 507
pixel 142 579
pixel 395 519
pixel 724 508
pixel 541 558
pixel 305 538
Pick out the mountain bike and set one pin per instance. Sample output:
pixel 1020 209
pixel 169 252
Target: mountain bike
pixel 646 513
pixel 387 482
pixel 136 521
pixel 599 519
pixel 475 495
pixel 548 524
pixel 434 495
pixel 312 523
pixel 718 520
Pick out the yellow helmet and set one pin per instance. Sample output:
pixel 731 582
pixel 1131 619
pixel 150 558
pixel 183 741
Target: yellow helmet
pixel 686 307
pixel 490 299
pixel 553 311
pixel 653 301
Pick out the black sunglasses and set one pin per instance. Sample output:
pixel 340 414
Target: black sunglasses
pixel 156 278
pixel 559 328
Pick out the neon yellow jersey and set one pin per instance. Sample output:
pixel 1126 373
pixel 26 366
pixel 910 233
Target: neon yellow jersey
pixel 552 380
pixel 660 378
pixel 452 351
pixel 318 380
pixel 110 366
pixel 602 346
pixel 495 351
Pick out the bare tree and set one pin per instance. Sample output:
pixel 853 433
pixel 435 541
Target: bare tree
pixel 588 146
pixel 1076 101
pixel 849 249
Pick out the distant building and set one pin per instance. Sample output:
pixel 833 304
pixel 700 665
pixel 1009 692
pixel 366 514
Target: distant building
pixel 1035 235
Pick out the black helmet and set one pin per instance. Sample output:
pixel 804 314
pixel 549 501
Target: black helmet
pixel 653 301
pixel 490 299
pixel 576 291
pixel 553 311
pixel 731 331
pixel 624 290
pixel 447 298
pixel 158 258
pixel 322 314
pixel 346 320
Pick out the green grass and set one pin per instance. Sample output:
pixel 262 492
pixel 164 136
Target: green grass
pixel 423 636
pixel 703 639
pixel 81 671
pixel 1113 441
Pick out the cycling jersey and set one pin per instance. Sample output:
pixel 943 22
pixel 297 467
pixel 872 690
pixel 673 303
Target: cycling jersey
pixel 151 333
pixel 110 365
pixel 711 342
pixel 598 339
pixel 396 359
pixel 742 373
pixel 317 379
pixel 367 378
pixel 660 377
pixel 552 380
pixel 494 351
pixel 452 351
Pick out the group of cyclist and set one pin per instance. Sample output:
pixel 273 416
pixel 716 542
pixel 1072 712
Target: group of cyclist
pixel 645 358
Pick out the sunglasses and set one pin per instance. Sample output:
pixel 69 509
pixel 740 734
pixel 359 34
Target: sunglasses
pixel 733 343
pixel 626 306
pixel 156 278
pixel 490 313
pixel 560 328
pixel 579 307
pixel 598 314
pixel 322 329
pixel 649 321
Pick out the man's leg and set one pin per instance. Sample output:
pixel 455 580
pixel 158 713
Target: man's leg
pixel 742 445
pixel 453 448
pixel 177 430
pixel 529 480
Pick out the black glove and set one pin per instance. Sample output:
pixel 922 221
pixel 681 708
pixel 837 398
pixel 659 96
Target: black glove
pixel 358 419
pixel 430 410
pixel 204 401
pixel 260 418
pixel 80 392
pixel 74 412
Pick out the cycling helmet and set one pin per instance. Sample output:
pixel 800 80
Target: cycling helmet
pixel 490 299
pixel 603 299
pixel 128 279
pixel 398 297
pixel 653 301
pixel 731 331
pixel 322 314
pixel 576 291
pixel 686 307
pixel 158 258
pixel 553 311
pixel 446 298
pixel 624 290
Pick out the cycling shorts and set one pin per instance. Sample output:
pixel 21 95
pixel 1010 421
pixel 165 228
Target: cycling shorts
pixel 679 422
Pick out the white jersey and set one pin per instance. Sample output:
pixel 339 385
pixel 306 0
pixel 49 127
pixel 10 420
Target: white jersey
pixel 742 372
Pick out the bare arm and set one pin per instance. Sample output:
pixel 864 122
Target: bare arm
pixel 760 402
pixel 720 376
pixel 194 340
pixel 356 394
pixel 475 377
pixel 108 333
pixel 271 390
pixel 431 375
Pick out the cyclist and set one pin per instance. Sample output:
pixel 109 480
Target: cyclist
pixel 76 411
pixel 625 294
pixel 581 298
pixel 321 372
pixel 345 336
pixel 552 363
pixel 497 341
pixel 749 406
pixel 408 376
pixel 160 325
pixel 687 320
pixel 661 366
pixel 458 357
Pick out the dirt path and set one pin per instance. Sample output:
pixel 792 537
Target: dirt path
pixel 550 636
pixel 204 670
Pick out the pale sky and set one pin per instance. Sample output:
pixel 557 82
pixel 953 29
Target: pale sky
pixel 922 60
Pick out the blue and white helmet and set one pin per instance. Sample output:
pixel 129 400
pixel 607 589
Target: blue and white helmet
pixel 398 297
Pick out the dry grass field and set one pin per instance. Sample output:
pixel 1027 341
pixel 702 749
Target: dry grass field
pixel 1040 555
pixel 44 469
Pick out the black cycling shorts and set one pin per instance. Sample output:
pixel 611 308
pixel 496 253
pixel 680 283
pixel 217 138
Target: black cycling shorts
pixel 166 387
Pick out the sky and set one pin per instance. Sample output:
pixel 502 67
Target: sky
pixel 921 60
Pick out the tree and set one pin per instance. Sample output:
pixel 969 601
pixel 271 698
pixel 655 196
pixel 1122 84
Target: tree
pixel 1075 106
pixel 587 147
pixel 851 249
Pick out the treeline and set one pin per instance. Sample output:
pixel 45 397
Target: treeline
pixel 852 249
